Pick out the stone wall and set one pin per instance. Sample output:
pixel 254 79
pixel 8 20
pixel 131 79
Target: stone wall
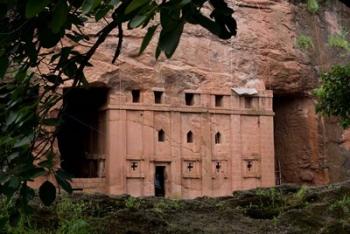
pixel 263 55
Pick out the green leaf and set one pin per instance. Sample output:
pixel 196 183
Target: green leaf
pixel 34 7
pixel 33 173
pixel 13 183
pixel 169 18
pixel 27 193
pixel 47 38
pixel 89 5
pixel 137 21
pixel 70 69
pixel 63 180
pixel 134 5
pixel 13 156
pixel 148 37
pixel 4 63
pixel 168 41
pixel 48 163
pixel 11 118
pixel 183 3
pixel 55 79
pixel 47 193
pixel 59 16
pixel 100 13
pixel 24 141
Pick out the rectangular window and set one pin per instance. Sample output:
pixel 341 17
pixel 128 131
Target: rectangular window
pixel 135 95
pixel 248 102
pixel 158 97
pixel 219 99
pixel 189 99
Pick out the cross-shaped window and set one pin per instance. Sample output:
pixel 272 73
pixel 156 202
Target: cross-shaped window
pixel 134 165
pixel 190 166
pixel 249 165
pixel 218 166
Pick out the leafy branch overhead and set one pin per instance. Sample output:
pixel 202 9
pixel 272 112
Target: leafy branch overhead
pixel 37 55
pixel 49 21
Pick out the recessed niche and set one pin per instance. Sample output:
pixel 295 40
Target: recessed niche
pixel 218 138
pixel 161 135
pixel 135 95
pixel 158 97
pixel 189 137
pixel 219 100
pixel 189 99
pixel 248 102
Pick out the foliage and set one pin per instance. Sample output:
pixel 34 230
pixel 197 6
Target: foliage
pixel 339 41
pixel 304 42
pixel 132 203
pixel 268 203
pixel 34 62
pixel 334 94
pixel 70 219
pixel 167 205
pixel 312 6
pixel 71 216
pixel 343 204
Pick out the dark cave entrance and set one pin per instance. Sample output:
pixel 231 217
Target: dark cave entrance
pixel 295 134
pixel 81 135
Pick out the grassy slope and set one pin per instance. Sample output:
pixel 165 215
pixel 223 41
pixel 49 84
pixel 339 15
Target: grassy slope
pixel 285 209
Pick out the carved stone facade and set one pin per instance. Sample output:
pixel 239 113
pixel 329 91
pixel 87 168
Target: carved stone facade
pixel 185 145
pixel 264 55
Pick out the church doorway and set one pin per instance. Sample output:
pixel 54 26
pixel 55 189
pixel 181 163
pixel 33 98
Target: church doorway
pixel 159 181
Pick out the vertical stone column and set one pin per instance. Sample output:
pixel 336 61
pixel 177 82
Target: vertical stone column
pixel 267 151
pixel 176 141
pixel 206 154
pixel 116 151
pixel 148 152
pixel 236 156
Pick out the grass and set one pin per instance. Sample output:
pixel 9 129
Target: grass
pixel 132 203
pixel 339 41
pixel 304 42
pixel 313 6
pixel 69 216
pixel 343 205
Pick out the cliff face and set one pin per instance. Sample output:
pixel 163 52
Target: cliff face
pixel 309 148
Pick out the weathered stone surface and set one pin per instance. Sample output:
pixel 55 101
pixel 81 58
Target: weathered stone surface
pixel 263 55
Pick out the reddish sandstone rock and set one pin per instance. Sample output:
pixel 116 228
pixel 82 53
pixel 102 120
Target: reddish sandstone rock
pixel 264 54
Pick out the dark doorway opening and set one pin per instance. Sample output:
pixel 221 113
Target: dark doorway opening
pixel 81 132
pixel 159 181
pixel 295 138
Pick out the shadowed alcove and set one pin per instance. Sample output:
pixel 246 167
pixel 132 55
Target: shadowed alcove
pixel 81 135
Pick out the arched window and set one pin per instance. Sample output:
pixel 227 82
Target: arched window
pixel 161 135
pixel 189 137
pixel 218 138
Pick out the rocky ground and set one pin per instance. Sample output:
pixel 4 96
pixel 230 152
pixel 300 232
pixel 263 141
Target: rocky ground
pixel 284 209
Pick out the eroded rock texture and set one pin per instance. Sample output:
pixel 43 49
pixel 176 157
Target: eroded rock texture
pixel 264 54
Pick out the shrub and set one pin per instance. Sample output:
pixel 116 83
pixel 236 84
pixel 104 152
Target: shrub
pixel 312 6
pixel 339 41
pixel 132 203
pixel 333 94
pixel 304 42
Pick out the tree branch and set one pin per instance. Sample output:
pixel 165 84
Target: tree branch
pixel 102 35
pixel 120 42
